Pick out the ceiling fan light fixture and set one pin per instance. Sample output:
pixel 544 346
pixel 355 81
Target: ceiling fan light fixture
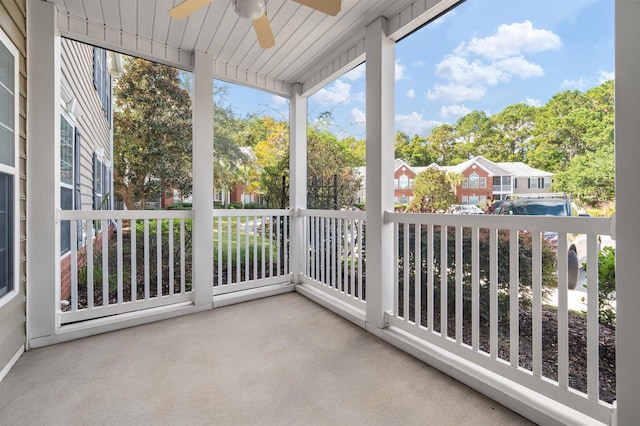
pixel 249 9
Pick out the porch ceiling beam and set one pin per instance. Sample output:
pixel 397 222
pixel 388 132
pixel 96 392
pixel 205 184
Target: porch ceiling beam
pixel 135 45
pixel 352 53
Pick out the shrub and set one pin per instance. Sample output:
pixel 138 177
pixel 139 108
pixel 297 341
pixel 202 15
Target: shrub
pixel 606 286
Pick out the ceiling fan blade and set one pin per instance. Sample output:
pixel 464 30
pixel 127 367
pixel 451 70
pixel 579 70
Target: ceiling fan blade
pixel 186 8
pixel 263 31
pixel 330 7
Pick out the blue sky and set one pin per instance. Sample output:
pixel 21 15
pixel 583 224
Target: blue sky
pixel 484 55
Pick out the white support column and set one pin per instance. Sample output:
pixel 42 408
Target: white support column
pixel 297 177
pixel 380 86
pixel 43 170
pixel 627 138
pixel 203 179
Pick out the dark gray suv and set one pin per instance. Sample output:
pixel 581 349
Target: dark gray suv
pixel 551 204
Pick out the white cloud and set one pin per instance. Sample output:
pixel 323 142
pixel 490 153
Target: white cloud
pixel 356 73
pixel 532 102
pixel 456 92
pixel 337 94
pixel 418 63
pixel 512 39
pixel 414 124
pixel 454 111
pixel 518 65
pixel 606 76
pixel 359 97
pixel 458 70
pixel 579 84
pixel 358 116
pixel 411 94
pixel 400 71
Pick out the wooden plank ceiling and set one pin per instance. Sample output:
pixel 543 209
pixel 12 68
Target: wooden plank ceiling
pixel 305 39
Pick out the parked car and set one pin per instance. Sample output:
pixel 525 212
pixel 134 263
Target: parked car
pixel 550 204
pixel 464 209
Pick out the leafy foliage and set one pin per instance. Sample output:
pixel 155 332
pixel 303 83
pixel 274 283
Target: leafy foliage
pixel 606 286
pixel 432 191
pixel 152 132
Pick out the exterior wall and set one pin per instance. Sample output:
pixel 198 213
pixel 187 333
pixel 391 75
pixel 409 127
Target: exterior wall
pixel 400 192
pixel 82 108
pixel 13 313
pixel 486 192
pixel 522 186
pixel 95 133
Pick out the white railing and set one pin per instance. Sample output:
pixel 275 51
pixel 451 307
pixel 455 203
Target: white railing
pixel 251 249
pixel 496 271
pixel 335 253
pixel 123 261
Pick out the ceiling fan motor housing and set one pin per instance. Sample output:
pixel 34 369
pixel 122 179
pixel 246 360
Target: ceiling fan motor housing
pixel 249 9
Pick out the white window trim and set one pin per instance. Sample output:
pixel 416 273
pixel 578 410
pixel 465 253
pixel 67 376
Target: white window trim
pixel 15 170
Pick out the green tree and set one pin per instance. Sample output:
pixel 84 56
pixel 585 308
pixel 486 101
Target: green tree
pixel 510 133
pixel 473 133
pixel 152 132
pixel 589 177
pixel 441 142
pixel 413 151
pixel 433 191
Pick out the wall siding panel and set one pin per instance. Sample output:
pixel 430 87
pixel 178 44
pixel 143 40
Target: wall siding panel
pixel 12 315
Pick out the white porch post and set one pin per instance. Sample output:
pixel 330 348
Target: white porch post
pixel 380 53
pixel 297 178
pixel 43 170
pixel 203 179
pixel 627 137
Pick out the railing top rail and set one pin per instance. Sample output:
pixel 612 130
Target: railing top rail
pixel 251 212
pixel 123 214
pixel 576 225
pixel 339 214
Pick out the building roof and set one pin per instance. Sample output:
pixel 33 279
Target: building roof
pixel 519 169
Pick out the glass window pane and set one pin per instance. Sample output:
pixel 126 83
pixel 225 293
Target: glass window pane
pixel 6 234
pixel 6 67
pixel 66 203
pixel 66 152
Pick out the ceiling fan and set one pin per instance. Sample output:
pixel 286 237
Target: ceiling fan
pixel 256 11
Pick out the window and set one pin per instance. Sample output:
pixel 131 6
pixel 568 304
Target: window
pixel 102 80
pixel 465 183
pixel 411 183
pixel 465 199
pixel 533 183
pixel 395 184
pixel 474 200
pixel 547 182
pixel 101 183
pixel 473 180
pixel 8 165
pixel 506 180
pixel 483 182
pixel 404 200
pixel 404 182
pixel 496 181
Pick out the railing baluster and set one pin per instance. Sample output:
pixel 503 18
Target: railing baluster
pixel 238 267
pixel 332 242
pixel 158 257
pixel 475 288
pixel 271 245
pixel 183 278
pixel 514 326
pixel 134 259
pixel 536 319
pixel 493 292
pixel 417 317
pixel 255 247
pixel 146 260
pixel 246 249
pixel 407 272
pixel 229 253
pixel 563 312
pixel 105 262
pixel 323 250
pixel 220 254
pixel 278 245
pixel 345 257
pixel 90 296
pixel 352 256
pixel 171 272
pixel 430 276
pixel 360 271
pixel 119 260
pixel 459 262
pixel 286 244
pixel 396 239
pixel 74 265
pixel 593 326
pixel 263 245
pixel 338 227
pixel 444 284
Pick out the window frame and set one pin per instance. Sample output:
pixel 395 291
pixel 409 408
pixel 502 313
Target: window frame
pixel 13 287
pixel 474 181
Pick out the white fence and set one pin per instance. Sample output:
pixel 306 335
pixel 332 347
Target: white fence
pixel 123 261
pixel 251 249
pixel 335 253
pixel 468 284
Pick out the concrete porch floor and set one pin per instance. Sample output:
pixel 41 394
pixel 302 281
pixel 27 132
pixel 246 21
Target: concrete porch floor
pixel 283 360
